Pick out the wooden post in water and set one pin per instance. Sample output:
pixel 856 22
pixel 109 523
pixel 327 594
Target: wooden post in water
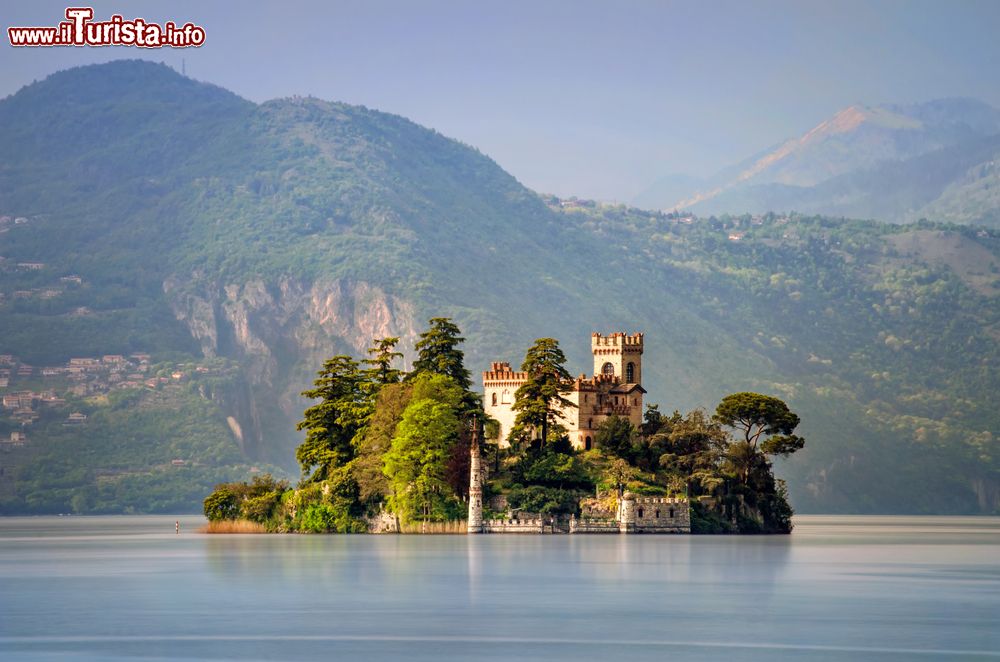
pixel 475 524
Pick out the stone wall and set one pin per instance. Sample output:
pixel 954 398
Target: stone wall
pixel 525 525
pixel 658 515
pixel 589 525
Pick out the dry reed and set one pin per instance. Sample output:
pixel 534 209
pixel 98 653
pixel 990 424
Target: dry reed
pixel 233 526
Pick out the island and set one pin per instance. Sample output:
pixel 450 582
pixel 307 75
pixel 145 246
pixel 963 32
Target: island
pixel 537 451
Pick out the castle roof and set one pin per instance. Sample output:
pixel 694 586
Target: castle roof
pixel 628 388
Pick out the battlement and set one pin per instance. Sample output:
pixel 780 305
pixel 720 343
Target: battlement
pixel 584 383
pixel 500 371
pixel 619 340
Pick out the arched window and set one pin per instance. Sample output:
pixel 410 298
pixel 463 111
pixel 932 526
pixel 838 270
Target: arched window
pixel 505 397
pixel 671 513
pixel 630 373
pixel 494 399
pixel 640 513
pixel 657 513
pixel 588 444
pixel 608 369
pixel 590 424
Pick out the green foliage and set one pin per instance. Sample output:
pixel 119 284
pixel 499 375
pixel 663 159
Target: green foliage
pixel 766 425
pixel 438 353
pixel 260 500
pixel 416 463
pixel 331 424
pixel 324 518
pixel 222 504
pixel 619 473
pixel 539 400
pixel 383 356
pixel 616 436
pixel 544 500
pixel 376 441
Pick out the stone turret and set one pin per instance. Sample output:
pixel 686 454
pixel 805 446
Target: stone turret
pixel 475 523
pixel 618 355
pixel 626 513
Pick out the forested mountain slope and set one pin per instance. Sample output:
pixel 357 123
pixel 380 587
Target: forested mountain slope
pixel 240 244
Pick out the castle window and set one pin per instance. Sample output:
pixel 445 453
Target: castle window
pixel 635 401
pixel 657 513
pixel 590 424
pixel 640 513
pixel 505 397
pixel 671 513
pixel 588 444
pixel 630 373
pixel 608 369
pixel 494 399
pixel 616 399
pixel 586 398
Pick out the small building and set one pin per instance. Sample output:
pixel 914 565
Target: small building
pixel 76 418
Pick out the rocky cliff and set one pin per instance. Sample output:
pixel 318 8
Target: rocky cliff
pixel 281 332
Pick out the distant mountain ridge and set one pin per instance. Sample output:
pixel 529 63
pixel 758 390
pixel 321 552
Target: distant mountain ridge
pixel 240 244
pixel 857 163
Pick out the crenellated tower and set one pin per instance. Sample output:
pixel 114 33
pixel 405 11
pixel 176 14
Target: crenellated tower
pixel 618 354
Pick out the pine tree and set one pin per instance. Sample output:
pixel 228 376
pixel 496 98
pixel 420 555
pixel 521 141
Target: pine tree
pixel 383 356
pixel 332 423
pixel 539 400
pixel 438 353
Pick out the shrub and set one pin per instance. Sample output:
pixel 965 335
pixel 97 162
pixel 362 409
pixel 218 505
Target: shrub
pixel 222 504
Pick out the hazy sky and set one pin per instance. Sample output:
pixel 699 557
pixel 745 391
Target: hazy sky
pixel 596 99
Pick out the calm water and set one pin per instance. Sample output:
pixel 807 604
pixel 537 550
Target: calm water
pixel 839 588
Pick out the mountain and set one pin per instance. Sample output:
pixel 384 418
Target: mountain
pixel 896 162
pixel 200 255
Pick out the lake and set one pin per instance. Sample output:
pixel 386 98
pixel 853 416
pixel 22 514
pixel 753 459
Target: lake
pixel 838 588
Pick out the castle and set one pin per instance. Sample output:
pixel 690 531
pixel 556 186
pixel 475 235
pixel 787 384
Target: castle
pixel 615 389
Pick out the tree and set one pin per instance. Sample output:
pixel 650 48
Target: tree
pixel 615 436
pixel 383 355
pixel 390 403
pixel 417 461
pixel 767 427
pixel 332 424
pixel 539 400
pixel 438 353
pixel 222 504
pixel 693 448
pixel 619 472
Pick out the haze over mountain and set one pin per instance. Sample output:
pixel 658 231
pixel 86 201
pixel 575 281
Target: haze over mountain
pixel 240 244
pixel 898 163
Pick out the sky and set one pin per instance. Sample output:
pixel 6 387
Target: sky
pixel 572 97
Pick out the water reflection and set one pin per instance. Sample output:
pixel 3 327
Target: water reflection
pixel 838 588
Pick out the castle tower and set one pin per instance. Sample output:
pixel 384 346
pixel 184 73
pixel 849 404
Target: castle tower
pixel 619 355
pixel 475 523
